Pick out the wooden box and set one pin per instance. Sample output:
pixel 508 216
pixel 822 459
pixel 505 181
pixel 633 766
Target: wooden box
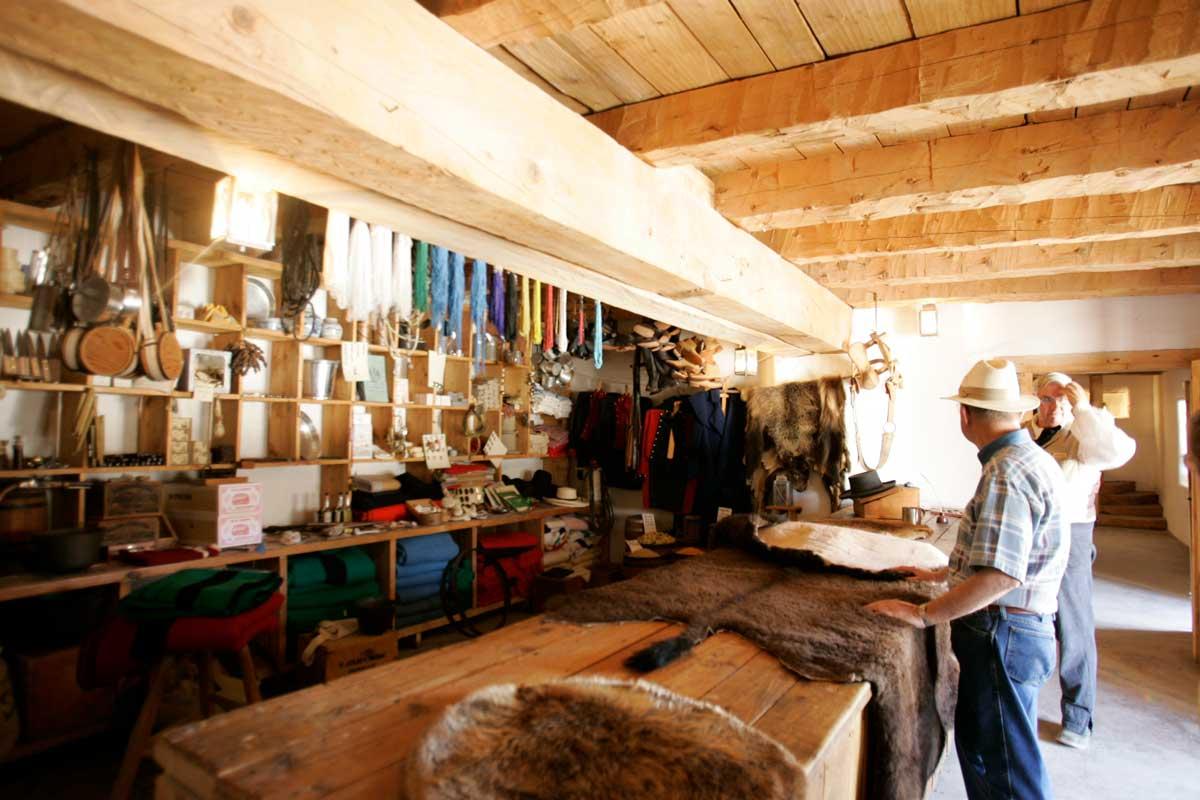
pixel 124 497
pixel 354 654
pixel 51 702
pixel 224 515
pixel 127 532
pixel 889 504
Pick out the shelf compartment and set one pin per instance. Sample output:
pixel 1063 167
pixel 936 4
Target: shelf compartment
pixel 200 326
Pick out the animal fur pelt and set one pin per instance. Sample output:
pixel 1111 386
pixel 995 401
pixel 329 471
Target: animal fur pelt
pixel 800 429
pixel 814 623
pixel 597 739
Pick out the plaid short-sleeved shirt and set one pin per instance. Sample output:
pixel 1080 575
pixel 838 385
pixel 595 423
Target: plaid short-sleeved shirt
pixel 1015 524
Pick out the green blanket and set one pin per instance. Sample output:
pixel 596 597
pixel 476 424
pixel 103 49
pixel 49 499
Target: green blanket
pixel 342 567
pixel 323 596
pixel 200 592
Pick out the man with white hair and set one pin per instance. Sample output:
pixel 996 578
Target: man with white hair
pixel 1003 580
pixel 1083 440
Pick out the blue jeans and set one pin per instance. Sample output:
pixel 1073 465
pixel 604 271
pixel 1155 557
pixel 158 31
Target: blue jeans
pixel 1076 629
pixel 1004 659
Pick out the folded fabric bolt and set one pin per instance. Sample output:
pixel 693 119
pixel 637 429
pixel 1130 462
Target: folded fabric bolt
pixel 226 633
pixel 420 591
pixel 343 567
pixel 200 593
pixel 419 579
pixel 513 539
pixel 325 595
pixel 438 547
pixel 425 568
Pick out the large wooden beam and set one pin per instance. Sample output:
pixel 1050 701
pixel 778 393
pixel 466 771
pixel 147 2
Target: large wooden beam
pixel 494 22
pixel 958 81
pixel 1107 363
pixel 1009 262
pixel 83 101
pixel 390 99
pixel 1122 151
pixel 1076 286
pixel 1168 211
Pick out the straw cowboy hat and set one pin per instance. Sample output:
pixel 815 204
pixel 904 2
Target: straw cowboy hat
pixel 993 385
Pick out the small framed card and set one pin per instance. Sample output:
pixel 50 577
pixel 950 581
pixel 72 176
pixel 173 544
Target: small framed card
pixel 375 388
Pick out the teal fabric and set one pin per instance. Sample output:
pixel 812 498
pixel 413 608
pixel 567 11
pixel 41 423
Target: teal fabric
pixel 199 592
pixel 343 567
pixel 325 595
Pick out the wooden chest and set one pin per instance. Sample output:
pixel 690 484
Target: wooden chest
pixel 124 497
pixel 889 504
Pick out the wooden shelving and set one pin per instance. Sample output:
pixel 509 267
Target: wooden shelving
pixel 201 326
pixel 21 474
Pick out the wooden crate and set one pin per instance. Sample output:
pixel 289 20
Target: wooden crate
pixel 889 504
pixel 124 497
pixel 353 654
pixel 51 702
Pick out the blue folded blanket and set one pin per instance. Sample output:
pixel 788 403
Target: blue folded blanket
pixel 421 578
pixel 435 548
pixel 420 591
pixel 425 569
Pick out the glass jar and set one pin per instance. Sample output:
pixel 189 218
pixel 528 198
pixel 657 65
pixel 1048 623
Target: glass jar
pixel 331 329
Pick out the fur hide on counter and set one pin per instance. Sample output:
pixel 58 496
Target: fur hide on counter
pixel 814 623
pixel 596 739
pixel 800 429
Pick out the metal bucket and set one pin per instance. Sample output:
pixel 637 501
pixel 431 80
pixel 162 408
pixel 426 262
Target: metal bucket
pixel 318 378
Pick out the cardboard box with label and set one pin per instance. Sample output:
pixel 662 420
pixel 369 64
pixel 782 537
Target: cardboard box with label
pixel 225 515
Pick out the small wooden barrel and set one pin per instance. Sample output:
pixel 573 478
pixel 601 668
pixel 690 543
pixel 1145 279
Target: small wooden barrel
pixel 22 514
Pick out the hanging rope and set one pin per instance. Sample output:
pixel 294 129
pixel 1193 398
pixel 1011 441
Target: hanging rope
pixel 439 287
pixel 458 288
pixel 479 304
pixel 496 301
pixel 561 334
pixel 548 321
pixel 524 329
pixel 402 275
pixel 301 255
pixel 598 337
pixel 512 314
pixel 420 280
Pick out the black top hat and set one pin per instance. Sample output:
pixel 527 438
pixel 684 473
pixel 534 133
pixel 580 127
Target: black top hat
pixel 865 484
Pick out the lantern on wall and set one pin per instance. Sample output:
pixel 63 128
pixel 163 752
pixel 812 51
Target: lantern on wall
pixel 745 362
pixel 928 320
pixel 244 214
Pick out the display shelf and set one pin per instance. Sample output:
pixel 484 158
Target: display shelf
pixel 133 391
pixel 251 398
pixel 269 463
pixel 57 471
pixel 201 326
pixel 267 334
pixel 210 255
pixel 16 300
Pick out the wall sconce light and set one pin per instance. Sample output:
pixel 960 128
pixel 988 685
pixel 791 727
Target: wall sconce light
pixel 745 362
pixel 244 214
pixel 928 320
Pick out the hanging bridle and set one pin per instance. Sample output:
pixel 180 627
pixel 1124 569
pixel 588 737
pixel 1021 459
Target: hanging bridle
pixel 867 374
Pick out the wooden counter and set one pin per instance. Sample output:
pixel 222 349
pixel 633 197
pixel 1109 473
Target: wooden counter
pixel 350 738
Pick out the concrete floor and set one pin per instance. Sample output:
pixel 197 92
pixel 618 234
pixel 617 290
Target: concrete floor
pixel 1146 742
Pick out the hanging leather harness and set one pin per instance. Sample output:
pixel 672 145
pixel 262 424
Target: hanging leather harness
pixel 867 375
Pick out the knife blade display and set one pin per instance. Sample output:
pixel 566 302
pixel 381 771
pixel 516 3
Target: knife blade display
pixel 42 360
pixel 9 360
pixel 24 366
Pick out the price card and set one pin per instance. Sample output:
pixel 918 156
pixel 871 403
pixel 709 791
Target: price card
pixel 437 369
pixel 633 545
pixel 648 522
pixel 723 512
pixel 203 392
pixel 354 361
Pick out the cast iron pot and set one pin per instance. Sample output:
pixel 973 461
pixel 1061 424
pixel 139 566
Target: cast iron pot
pixel 67 549
pixel 375 615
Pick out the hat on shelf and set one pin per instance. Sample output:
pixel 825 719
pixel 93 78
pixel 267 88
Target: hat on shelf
pixel 566 497
pixel 865 484
pixel 993 385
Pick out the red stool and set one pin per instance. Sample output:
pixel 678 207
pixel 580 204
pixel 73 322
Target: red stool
pixel 197 636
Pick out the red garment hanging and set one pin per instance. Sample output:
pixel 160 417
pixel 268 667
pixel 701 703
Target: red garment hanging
pixel 548 323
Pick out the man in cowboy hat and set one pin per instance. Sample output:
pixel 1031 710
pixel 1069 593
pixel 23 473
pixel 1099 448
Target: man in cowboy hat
pixel 1083 440
pixel 1004 575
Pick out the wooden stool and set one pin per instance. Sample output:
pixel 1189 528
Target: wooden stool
pixel 200 637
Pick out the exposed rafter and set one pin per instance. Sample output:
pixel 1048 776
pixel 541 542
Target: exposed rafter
pixel 1107 363
pixel 961 80
pixel 461 137
pixel 1075 286
pixel 1123 151
pixel 1168 211
pixel 1009 262
pixel 493 22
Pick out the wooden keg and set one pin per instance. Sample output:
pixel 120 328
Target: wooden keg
pixel 23 513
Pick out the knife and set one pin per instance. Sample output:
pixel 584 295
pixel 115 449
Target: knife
pixel 42 358
pixel 24 368
pixel 8 364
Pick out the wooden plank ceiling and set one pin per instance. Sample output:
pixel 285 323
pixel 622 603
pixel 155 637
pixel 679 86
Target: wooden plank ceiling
pixel 904 151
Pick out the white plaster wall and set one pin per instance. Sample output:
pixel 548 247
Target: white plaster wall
pixel 1142 425
pixel 1174 487
pixel 929 449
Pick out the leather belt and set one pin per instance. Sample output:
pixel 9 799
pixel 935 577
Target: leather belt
pixel 1014 610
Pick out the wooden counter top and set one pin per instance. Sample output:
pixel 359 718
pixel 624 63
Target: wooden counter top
pixel 350 738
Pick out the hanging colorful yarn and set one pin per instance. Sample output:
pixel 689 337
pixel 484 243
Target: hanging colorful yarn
pixel 560 335
pixel 420 281
pixel 458 289
pixel 512 314
pixel 598 337
pixel 402 274
pixel 439 286
pixel 358 302
pixel 479 309
pixel 548 320
pixel 536 305
pixel 496 301
pixel 335 273
pixel 524 329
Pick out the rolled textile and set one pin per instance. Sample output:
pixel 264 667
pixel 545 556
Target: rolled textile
pixel 535 306
pixel 359 300
pixel 497 302
pixel 560 333
pixel 340 567
pixel 328 595
pixel 420 591
pixel 200 593
pixel 381 269
pixel 420 277
pixel 402 275
pixel 512 314
pixel 435 548
pixel 548 320
pixel 458 287
pixel 439 286
pixel 420 578
pixel 335 273
pixel 479 310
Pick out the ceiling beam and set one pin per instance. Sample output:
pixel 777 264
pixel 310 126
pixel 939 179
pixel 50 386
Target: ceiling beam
pixel 957 81
pixel 76 99
pixel 1107 363
pixel 1009 262
pixel 1122 151
pixel 1167 211
pixel 1075 286
pixel 461 137
pixel 489 23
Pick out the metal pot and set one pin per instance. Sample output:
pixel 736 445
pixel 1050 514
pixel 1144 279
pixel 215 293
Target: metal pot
pixel 96 299
pixel 318 378
pixel 67 550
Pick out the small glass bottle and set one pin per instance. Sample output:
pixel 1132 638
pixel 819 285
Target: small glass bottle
pixel 18 453
pixel 347 516
pixel 325 511
pixel 338 511
pixel 4 462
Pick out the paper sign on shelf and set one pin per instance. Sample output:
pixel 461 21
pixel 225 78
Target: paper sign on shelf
pixel 494 447
pixel 633 545
pixel 354 361
pixel 723 512
pixel 436 456
pixel 203 392
pixel 648 522
pixel 437 369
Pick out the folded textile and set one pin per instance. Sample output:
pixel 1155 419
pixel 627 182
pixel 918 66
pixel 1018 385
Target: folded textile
pixel 342 567
pixel 327 595
pixel 368 501
pixel 438 547
pixel 166 555
pixel 227 633
pixel 200 593
pixel 554 557
pixel 506 540
pixel 419 591
pixel 425 568
pixel 419 578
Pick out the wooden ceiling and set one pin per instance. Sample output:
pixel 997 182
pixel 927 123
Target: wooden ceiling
pixel 901 150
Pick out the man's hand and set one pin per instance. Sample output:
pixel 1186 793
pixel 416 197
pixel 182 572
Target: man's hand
pixel 1075 394
pixel 897 609
pixel 919 574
